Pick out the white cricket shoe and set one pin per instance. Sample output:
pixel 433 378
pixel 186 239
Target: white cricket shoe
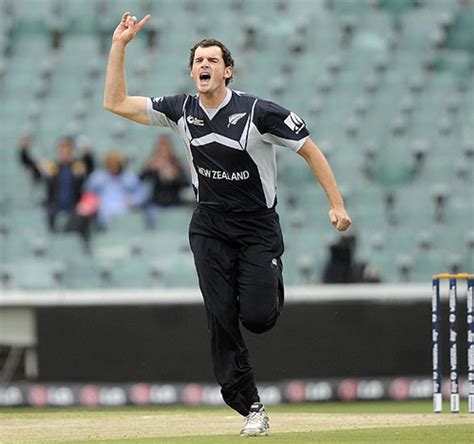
pixel 256 422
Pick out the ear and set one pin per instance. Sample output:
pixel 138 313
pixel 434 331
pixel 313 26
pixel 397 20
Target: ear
pixel 228 71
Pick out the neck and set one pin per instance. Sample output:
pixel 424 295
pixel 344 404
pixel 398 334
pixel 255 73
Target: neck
pixel 213 99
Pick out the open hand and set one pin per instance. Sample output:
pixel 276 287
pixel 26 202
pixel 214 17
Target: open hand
pixel 128 28
pixel 339 218
pixel 25 142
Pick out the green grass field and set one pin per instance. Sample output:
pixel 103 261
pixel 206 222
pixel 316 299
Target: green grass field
pixel 363 422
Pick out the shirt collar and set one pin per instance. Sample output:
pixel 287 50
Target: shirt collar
pixel 226 100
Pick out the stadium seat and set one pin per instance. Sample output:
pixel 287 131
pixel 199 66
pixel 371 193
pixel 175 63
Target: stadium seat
pixel 174 270
pixel 32 274
pixel 386 90
pixel 460 33
pixel 397 6
pixel 124 273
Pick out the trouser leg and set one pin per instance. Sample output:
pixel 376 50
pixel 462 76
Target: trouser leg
pixel 216 265
pixel 151 212
pixel 261 291
pixel 261 295
pixel 51 217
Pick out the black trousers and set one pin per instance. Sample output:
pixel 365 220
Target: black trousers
pixel 238 262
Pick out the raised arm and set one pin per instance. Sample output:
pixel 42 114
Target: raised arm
pixel 116 99
pixel 25 158
pixel 323 173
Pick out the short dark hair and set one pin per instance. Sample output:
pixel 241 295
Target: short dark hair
pixel 206 43
pixel 69 140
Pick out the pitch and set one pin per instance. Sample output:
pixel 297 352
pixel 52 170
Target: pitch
pixel 372 422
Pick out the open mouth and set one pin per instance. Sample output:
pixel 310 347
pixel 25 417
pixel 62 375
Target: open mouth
pixel 204 78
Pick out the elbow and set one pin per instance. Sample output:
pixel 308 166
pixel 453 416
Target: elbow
pixel 111 104
pixel 115 107
pixel 108 106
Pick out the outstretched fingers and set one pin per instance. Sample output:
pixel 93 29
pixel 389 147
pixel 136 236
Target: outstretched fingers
pixel 131 21
pixel 128 27
pixel 143 21
pixel 125 16
pixel 132 24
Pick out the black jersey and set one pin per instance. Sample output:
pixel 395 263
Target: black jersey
pixel 230 150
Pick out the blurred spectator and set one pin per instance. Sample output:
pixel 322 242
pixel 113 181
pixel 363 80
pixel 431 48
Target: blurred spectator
pixel 250 37
pixel 64 177
pixel 117 190
pixel 343 268
pixel 166 177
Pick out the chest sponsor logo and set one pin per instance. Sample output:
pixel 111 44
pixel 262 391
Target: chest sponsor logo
pixel 234 118
pixel 294 122
pixel 195 121
pixel 224 175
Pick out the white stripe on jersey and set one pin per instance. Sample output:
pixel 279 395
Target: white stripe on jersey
pixel 265 159
pixel 214 137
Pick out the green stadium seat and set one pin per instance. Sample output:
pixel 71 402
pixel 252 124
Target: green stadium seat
pixel 125 273
pixel 292 169
pixel 346 7
pixel 67 246
pixel 440 5
pixel 83 274
pixel 460 33
pixel 30 11
pixel 367 100
pixel 174 270
pixel 420 30
pixel 457 62
pixel 32 275
pixel 397 6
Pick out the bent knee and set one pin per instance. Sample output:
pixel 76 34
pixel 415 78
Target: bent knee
pixel 259 324
pixel 258 328
pixel 259 308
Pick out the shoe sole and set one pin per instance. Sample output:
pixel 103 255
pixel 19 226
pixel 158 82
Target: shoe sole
pixel 254 434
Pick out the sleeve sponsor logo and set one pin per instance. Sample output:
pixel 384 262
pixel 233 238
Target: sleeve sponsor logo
pixel 157 99
pixel 294 122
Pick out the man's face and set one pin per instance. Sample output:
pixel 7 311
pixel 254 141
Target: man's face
pixel 64 152
pixel 209 71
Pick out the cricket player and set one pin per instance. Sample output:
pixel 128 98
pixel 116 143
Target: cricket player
pixel 234 233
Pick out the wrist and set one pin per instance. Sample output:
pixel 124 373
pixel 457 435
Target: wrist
pixel 119 44
pixel 337 204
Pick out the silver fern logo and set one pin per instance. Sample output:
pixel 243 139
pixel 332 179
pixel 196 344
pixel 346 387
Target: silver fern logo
pixel 234 118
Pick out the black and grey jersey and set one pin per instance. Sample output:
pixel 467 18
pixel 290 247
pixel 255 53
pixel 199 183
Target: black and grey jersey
pixel 231 150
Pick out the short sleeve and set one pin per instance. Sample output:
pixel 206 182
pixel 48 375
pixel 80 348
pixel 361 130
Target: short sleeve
pixel 166 110
pixel 279 125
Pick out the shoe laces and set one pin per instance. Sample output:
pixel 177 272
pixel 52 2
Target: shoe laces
pixel 255 418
